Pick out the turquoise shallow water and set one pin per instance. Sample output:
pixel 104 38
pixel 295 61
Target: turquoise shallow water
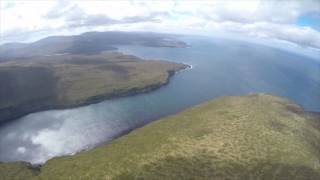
pixel 219 67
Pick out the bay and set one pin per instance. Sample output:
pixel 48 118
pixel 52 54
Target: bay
pixel 220 67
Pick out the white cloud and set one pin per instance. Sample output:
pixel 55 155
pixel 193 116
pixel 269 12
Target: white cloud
pixel 247 11
pixel 21 150
pixel 27 20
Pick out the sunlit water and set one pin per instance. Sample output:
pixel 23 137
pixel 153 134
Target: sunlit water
pixel 220 67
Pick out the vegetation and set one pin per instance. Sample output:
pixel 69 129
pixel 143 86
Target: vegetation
pixel 255 137
pixel 46 82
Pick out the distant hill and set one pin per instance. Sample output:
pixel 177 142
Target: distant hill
pixel 86 43
pixel 253 137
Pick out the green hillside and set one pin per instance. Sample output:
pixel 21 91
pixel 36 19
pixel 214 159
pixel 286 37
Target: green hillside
pixel 254 137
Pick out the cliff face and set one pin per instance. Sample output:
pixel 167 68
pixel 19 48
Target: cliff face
pixel 50 82
pixel 258 136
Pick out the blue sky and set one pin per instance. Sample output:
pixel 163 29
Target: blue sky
pixel 310 20
pixel 295 22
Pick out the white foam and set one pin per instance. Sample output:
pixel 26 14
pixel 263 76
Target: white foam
pixel 191 66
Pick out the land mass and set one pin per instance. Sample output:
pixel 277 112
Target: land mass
pixel 87 43
pixel 52 82
pixel 258 136
pixel 68 71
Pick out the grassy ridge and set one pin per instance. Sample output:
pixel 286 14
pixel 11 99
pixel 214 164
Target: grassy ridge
pixel 253 137
pixel 46 82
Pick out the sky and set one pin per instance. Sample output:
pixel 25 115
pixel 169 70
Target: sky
pixel 294 22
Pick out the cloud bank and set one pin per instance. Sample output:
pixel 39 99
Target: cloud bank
pixel 276 20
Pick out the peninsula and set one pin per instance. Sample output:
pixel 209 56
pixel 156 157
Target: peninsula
pixel 64 81
pixel 68 71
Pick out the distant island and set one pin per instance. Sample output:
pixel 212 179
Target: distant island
pixel 258 136
pixel 87 43
pixel 69 71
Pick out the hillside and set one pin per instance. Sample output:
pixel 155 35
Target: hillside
pixel 255 137
pixel 50 82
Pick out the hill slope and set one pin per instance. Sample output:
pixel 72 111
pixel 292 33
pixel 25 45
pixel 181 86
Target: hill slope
pixel 252 137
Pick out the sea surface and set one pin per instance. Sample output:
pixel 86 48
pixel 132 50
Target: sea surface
pixel 220 67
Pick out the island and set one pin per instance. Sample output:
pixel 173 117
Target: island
pixel 258 136
pixel 55 82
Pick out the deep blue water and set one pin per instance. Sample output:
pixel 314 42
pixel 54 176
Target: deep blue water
pixel 219 67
